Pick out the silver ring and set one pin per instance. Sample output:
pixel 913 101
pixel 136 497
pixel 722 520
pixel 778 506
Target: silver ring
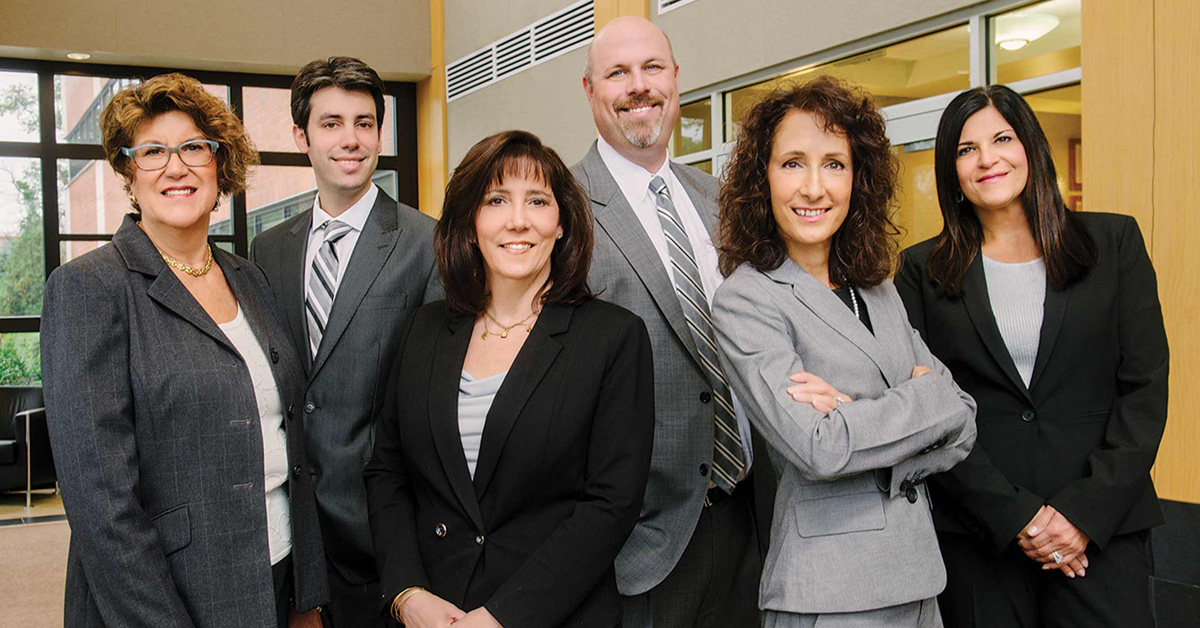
pixel 840 400
pixel 1058 558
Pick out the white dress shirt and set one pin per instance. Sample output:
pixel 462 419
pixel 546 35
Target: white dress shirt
pixel 274 441
pixel 355 217
pixel 634 182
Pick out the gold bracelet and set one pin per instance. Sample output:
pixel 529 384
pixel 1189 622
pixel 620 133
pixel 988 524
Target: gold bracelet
pixel 400 600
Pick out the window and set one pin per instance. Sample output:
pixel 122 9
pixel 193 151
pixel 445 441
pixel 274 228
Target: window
pixel 59 199
pixel 1035 40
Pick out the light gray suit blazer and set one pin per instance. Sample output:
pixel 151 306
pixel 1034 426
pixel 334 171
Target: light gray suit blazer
pixel 627 270
pixel 845 535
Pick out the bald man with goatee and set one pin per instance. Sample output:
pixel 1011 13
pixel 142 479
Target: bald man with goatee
pixel 695 557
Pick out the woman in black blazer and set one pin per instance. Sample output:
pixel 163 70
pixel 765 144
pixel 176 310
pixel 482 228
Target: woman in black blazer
pixel 169 381
pixel 513 453
pixel 1051 321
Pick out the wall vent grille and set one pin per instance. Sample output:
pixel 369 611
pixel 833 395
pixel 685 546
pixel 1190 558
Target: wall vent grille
pixel 549 37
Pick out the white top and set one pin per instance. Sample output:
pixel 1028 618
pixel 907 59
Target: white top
pixel 634 182
pixel 355 217
pixel 270 415
pixel 475 398
pixel 1018 296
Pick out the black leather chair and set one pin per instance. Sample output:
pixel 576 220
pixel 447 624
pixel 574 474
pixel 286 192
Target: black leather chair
pixel 25 459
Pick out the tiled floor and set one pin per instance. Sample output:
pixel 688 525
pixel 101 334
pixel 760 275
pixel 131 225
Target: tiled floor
pixel 47 506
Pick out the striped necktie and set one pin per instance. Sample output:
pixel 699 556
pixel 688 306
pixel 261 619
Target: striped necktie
pixel 323 283
pixel 728 455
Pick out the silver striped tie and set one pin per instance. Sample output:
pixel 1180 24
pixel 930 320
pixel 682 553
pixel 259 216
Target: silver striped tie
pixel 728 454
pixel 322 283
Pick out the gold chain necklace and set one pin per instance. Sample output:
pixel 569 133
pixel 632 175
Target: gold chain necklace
pixel 504 329
pixel 195 272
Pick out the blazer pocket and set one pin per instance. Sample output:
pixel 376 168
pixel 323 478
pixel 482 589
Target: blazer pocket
pixel 174 528
pixel 858 507
pixel 385 301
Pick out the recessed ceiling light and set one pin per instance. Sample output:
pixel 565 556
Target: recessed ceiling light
pixel 1014 44
pixel 78 56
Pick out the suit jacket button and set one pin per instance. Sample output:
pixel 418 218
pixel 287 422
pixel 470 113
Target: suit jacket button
pixel 479 539
pixel 704 469
pixel 309 407
pixel 274 355
pixel 440 530
pixel 911 494
pixel 296 470
pixel 705 397
pixel 1029 416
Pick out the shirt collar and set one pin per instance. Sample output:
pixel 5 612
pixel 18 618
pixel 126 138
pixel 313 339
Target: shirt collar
pixel 355 217
pixel 633 179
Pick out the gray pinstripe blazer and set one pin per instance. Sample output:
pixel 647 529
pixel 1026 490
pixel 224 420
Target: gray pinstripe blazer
pixel 845 535
pixel 158 445
pixel 627 271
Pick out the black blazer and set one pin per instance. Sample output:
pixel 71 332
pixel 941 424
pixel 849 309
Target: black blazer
pixel 158 444
pixel 561 472
pixel 1084 435
pixel 390 274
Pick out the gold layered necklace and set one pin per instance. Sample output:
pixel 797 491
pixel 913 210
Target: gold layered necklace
pixel 191 270
pixel 504 329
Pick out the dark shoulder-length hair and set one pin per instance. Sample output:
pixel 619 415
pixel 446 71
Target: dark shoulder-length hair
pixel 863 251
pixel 510 154
pixel 1067 248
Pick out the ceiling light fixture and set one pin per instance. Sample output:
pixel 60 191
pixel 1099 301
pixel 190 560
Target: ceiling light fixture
pixel 78 56
pixel 1016 30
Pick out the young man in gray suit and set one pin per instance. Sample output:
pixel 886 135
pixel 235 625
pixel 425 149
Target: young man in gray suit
pixel 347 274
pixel 694 558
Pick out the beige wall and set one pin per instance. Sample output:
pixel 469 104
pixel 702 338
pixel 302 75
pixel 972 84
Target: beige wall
pixel 546 100
pixel 272 36
pixel 716 40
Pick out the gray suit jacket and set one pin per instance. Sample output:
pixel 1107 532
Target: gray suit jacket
pixel 158 444
pixel 390 274
pixel 846 536
pixel 627 270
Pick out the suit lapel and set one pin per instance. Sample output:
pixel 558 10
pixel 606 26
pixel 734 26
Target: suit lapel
pixel 292 248
pixel 826 306
pixel 979 308
pixel 527 370
pixel 375 244
pixel 447 365
pixel 1054 311
pixel 891 330
pixel 614 215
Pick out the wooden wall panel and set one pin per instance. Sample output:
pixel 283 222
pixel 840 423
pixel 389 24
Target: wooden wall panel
pixel 606 10
pixel 1177 235
pixel 432 169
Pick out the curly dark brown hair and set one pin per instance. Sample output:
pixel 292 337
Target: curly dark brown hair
pixel 864 249
pixel 134 106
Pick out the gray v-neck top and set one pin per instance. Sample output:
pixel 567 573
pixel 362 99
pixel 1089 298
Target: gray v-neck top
pixel 1018 294
pixel 475 398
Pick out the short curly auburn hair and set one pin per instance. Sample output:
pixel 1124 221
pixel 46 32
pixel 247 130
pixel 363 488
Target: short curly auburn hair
pixel 136 105
pixel 864 249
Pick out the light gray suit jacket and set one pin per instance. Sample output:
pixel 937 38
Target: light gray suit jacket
pixel 389 275
pixel 627 270
pixel 845 536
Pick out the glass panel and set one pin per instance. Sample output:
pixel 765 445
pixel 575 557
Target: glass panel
pixel 71 249
pixel 916 194
pixel 92 198
pixel 705 165
pixel 1060 112
pixel 20 359
pixel 693 132
pixel 933 64
pixel 22 257
pixel 1036 40
pixel 78 101
pixel 18 107
pixel 269 120
pixel 277 193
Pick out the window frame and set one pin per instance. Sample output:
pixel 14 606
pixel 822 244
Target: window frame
pixel 49 150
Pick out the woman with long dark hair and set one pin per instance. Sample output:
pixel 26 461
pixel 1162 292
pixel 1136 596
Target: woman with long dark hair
pixel 513 451
pixel 855 410
pixel 1050 320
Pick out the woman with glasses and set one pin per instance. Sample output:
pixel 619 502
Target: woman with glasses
pixel 169 384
